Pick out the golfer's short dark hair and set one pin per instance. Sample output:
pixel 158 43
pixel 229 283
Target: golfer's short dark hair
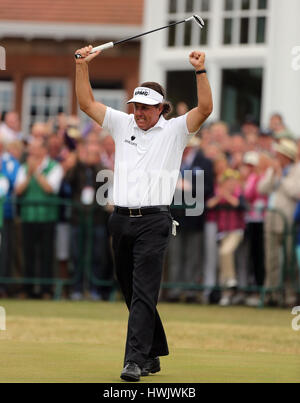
pixel 167 106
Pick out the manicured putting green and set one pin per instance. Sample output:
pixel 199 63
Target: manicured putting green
pixel 84 342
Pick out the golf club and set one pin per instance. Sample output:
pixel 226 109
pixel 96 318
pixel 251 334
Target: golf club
pixel 109 45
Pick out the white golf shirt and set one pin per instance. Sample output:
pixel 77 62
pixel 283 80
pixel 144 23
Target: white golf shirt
pixel 147 163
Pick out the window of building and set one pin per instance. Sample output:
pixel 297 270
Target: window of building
pixel 186 91
pixel 44 98
pixel 244 21
pixel 241 95
pixel 7 94
pixel 188 34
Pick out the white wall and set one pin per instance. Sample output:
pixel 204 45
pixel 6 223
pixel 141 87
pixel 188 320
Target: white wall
pixel 282 93
pixel 152 44
pixel 281 84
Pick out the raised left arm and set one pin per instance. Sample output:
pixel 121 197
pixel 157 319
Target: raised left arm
pixel 204 108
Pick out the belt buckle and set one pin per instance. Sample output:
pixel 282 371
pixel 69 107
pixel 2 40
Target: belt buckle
pixel 135 215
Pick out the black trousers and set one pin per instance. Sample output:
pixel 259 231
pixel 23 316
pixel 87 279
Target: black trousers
pixel 139 245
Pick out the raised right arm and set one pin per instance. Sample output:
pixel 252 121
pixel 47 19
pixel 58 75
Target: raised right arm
pixel 84 92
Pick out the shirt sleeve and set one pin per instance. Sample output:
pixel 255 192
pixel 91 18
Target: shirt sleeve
pixel 54 177
pixel 4 186
pixel 116 122
pixel 182 133
pixel 21 176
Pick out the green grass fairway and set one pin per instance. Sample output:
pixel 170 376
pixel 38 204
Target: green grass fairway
pixel 84 342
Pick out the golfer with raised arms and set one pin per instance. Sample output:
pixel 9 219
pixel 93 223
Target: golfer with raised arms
pixel 147 145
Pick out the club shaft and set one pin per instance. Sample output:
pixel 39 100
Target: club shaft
pixel 109 45
pixel 149 32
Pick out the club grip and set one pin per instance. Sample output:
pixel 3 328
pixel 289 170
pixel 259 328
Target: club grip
pixel 107 45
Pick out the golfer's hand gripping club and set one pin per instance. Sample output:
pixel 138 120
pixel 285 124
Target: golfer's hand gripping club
pixel 107 45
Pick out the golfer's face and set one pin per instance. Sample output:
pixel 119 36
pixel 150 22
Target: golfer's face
pixel 146 116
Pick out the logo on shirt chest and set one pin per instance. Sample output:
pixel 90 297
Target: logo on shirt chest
pixel 131 142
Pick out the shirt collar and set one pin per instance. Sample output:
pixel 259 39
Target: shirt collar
pixel 160 124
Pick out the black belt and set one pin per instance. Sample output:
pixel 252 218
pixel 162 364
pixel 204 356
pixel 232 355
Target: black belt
pixel 139 212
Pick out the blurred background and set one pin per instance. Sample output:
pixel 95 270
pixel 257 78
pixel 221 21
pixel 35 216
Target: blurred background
pixel 254 69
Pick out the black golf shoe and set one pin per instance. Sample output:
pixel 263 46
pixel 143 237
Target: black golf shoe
pixel 152 365
pixel 131 372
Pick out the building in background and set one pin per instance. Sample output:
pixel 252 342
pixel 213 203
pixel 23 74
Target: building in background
pixel 249 45
pixel 40 39
pixel 251 48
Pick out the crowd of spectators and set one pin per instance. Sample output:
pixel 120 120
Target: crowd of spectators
pixel 244 242
pixel 52 226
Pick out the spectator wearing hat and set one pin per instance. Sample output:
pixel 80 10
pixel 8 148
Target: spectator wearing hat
pixel 254 233
pixel 281 183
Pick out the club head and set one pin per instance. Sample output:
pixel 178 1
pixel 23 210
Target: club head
pixel 199 20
